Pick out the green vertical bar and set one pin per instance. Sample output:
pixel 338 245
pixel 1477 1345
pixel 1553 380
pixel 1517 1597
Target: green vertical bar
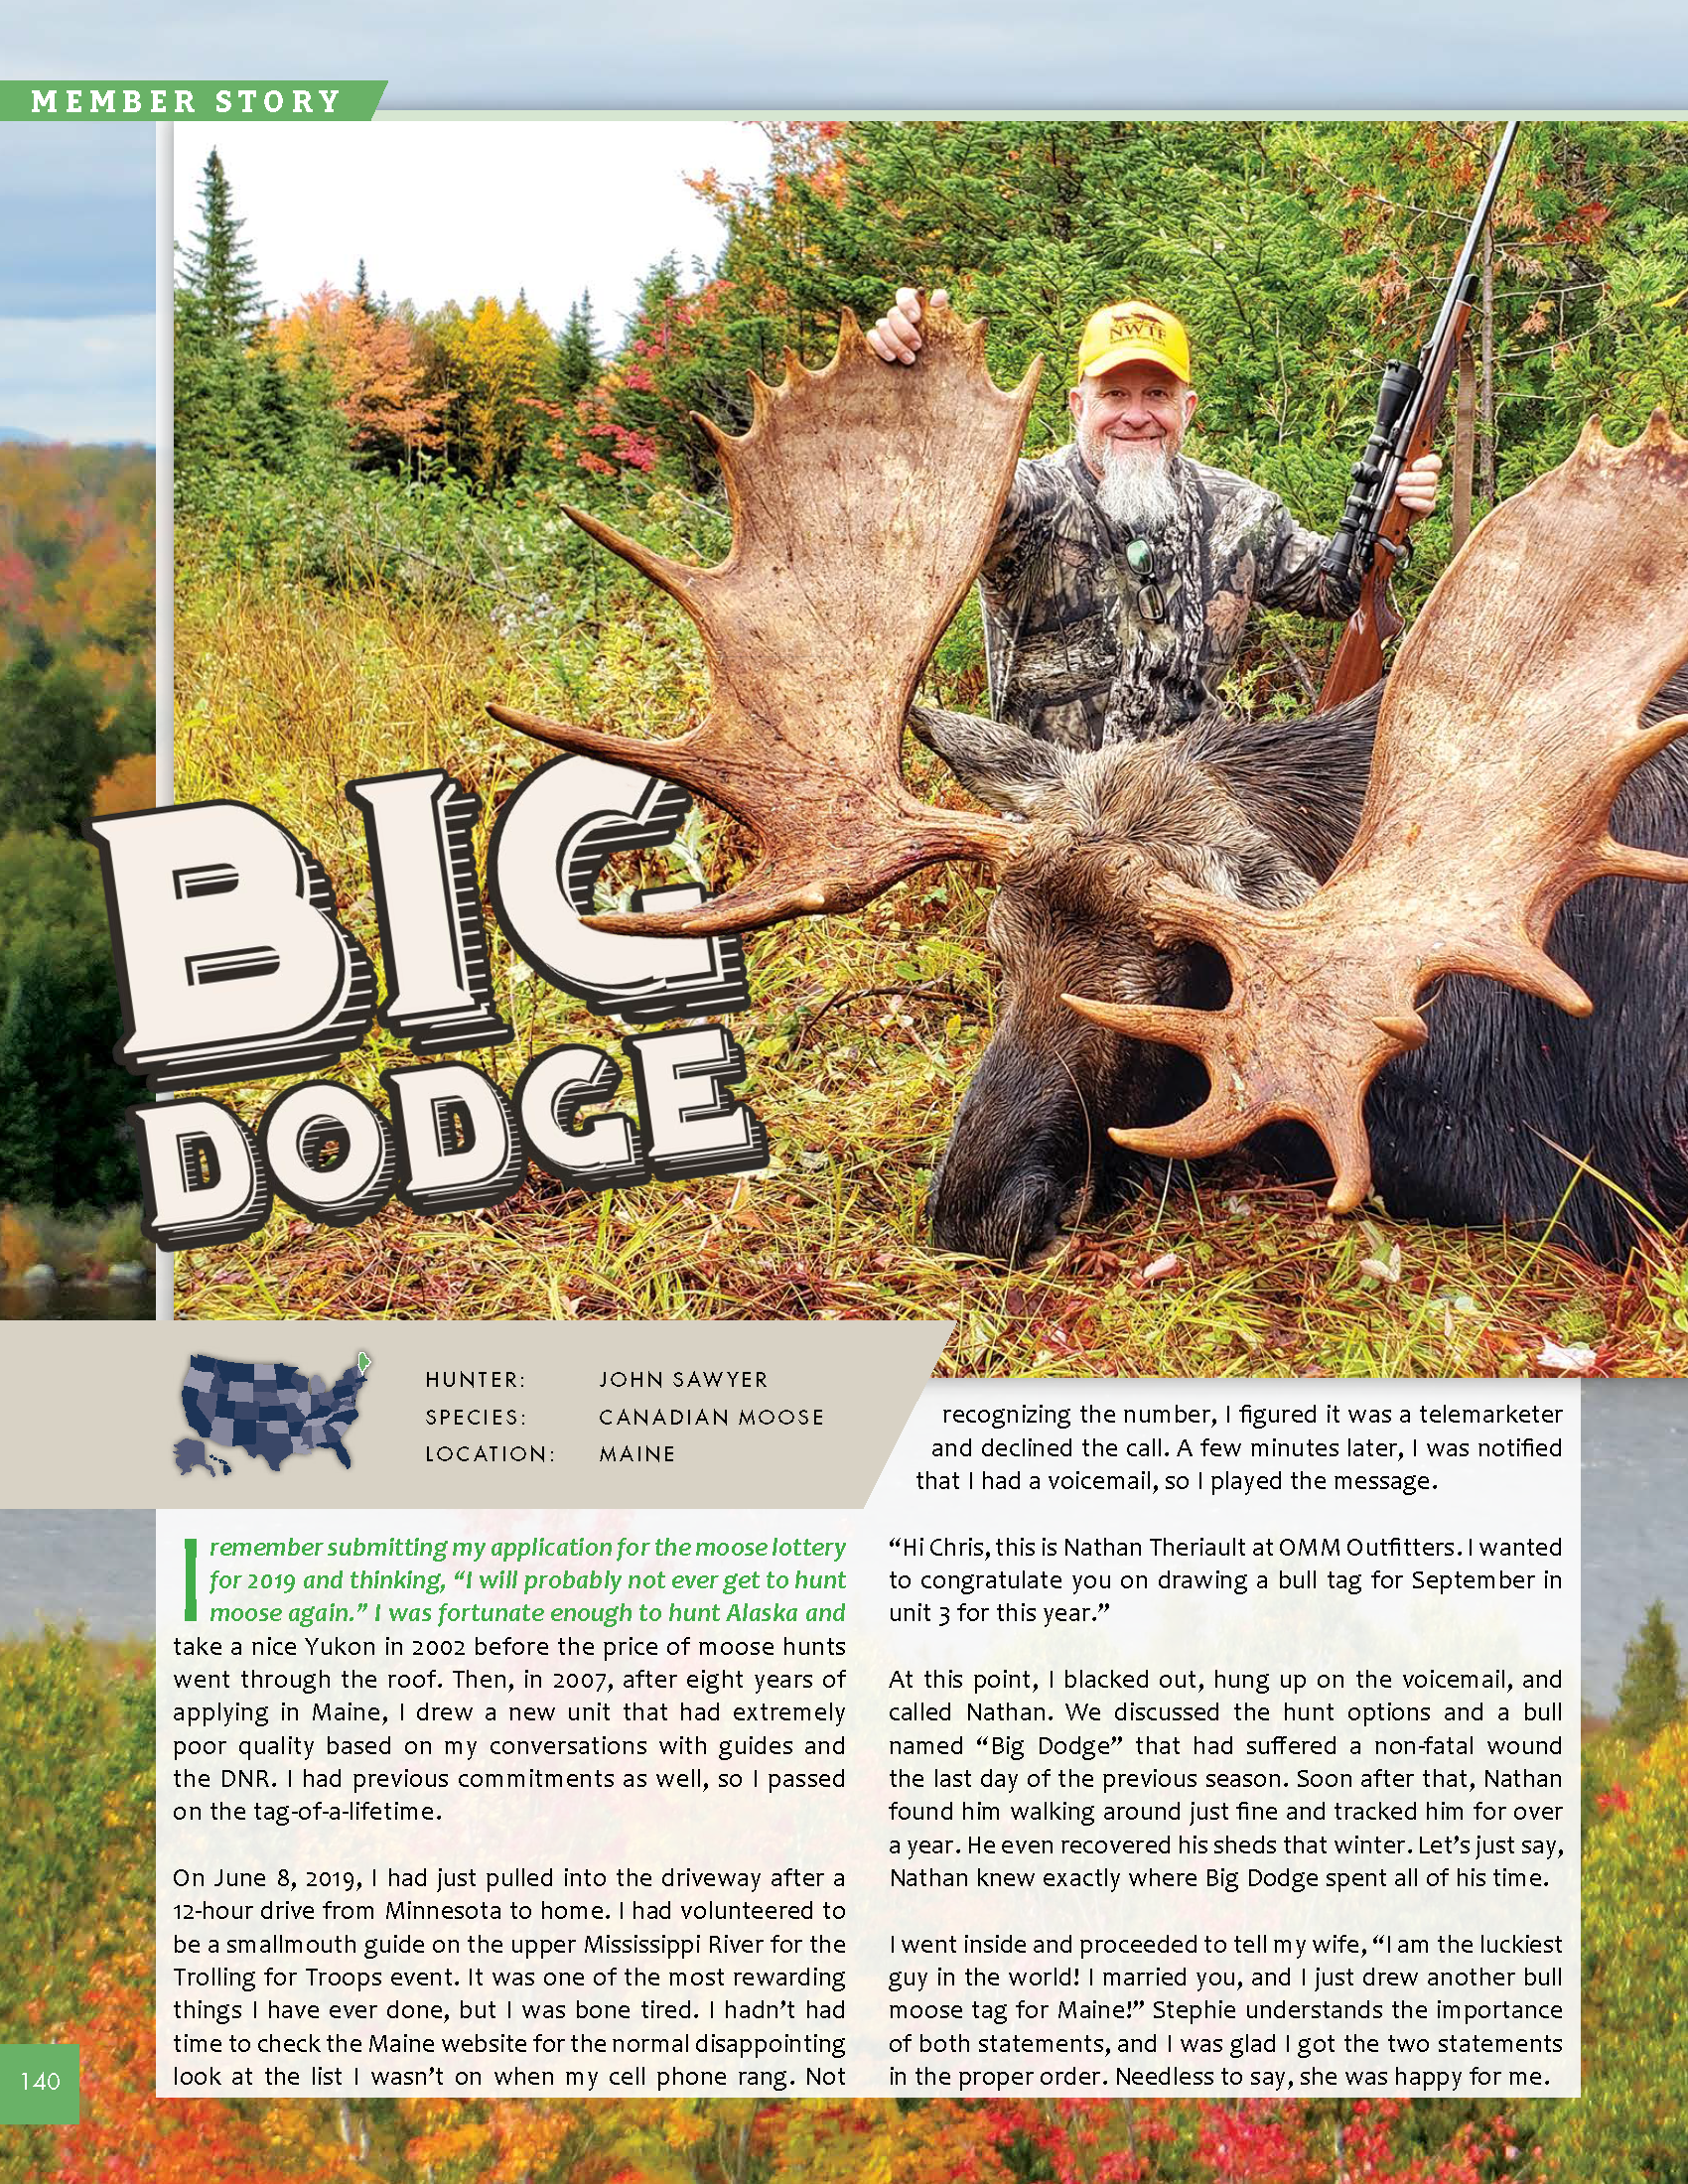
pixel 191 1612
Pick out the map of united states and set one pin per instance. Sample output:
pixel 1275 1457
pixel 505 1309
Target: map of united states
pixel 271 1410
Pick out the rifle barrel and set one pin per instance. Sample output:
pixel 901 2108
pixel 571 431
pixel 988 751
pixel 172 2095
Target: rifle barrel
pixel 1353 543
pixel 1410 399
pixel 1473 243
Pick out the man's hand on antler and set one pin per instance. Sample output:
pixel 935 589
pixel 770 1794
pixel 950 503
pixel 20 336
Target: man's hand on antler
pixel 895 339
pixel 1418 485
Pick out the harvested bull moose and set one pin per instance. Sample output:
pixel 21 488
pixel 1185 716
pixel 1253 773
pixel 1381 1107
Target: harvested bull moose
pixel 1237 889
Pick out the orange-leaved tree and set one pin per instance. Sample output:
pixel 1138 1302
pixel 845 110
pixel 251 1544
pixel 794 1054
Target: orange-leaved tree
pixel 126 2135
pixel 372 368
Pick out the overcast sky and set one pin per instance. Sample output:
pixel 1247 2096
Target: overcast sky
pixel 1475 57
pixel 77 280
pixel 444 209
pixel 75 345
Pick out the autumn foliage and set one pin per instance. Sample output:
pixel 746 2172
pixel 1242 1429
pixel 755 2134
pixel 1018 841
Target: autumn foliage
pixel 77 559
pixel 76 665
pixel 76 1744
pixel 371 364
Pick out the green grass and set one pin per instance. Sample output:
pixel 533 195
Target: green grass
pixel 286 691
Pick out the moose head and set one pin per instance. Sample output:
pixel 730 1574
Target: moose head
pixel 1178 893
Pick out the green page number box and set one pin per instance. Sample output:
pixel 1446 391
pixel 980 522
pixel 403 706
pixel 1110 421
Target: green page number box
pixel 40 2085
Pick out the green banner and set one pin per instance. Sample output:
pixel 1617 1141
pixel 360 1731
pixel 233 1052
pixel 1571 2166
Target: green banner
pixel 297 99
pixel 39 2084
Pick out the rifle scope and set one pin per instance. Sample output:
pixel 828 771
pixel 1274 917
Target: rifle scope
pixel 1353 543
pixel 1400 384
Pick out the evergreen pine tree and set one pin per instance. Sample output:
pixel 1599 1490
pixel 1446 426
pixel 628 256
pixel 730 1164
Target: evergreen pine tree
pixel 31 1057
pixel 661 284
pixel 219 269
pixel 64 1139
pixel 577 362
pixel 378 306
pixel 132 727
pixel 1649 1697
pixel 277 427
pixel 52 752
pixel 201 423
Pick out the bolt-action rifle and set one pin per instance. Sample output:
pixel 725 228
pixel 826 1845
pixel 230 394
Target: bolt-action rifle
pixel 1370 541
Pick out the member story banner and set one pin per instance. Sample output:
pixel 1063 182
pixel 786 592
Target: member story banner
pixel 200 98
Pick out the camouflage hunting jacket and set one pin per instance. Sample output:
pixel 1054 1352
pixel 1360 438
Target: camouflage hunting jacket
pixel 1074 659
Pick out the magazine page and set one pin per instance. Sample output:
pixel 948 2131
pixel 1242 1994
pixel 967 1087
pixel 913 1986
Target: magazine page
pixel 842 1168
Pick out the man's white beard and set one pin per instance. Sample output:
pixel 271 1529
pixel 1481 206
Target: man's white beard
pixel 1135 490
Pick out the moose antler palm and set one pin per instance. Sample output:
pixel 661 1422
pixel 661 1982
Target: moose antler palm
pixel 863 501
pixel 1511 722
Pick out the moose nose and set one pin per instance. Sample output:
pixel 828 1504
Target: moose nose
pixel 1007 1223
pixel 1018 1153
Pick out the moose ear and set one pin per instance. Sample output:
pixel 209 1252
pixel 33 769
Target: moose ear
pixel 1248 865
pixel 1002 766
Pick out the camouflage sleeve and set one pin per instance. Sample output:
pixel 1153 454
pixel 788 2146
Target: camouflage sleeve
pixel 1290 574
pixel 1031 501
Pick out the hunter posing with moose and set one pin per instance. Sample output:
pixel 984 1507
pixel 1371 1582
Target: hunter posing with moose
pixel 1209 927
pixel 1119 585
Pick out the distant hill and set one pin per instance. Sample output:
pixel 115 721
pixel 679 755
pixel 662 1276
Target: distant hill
pixel 15 436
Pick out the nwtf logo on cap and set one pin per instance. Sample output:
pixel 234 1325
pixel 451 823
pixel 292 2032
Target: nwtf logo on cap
pixel 1127 325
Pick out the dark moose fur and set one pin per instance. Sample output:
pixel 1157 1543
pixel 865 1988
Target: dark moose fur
pixel 1460 1129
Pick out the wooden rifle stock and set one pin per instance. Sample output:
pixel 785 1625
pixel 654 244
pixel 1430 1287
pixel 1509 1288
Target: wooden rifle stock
pixel 1375 622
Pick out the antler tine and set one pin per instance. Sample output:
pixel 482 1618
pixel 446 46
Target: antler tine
pixel 674 577
pixel 1213 1128
pixel 1526 966
pixel 1513 716
pixel 863 501
pixel 756 901
pixel 1624 861
pixel 1223 921
pixel 1242 1099
pixel 1651 739
pixel 672 759
pixel 1203 1030
pixel 773 891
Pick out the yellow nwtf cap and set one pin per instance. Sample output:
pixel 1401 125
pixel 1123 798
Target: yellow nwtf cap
pixel 1131 332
